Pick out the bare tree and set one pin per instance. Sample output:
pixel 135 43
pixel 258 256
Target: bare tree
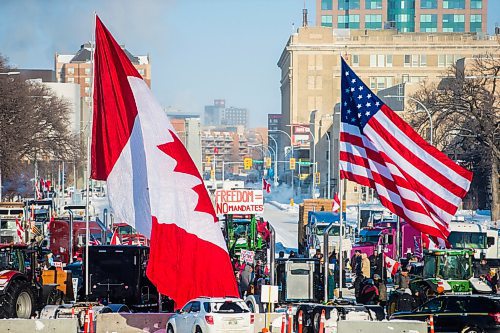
pixel 465 109
pixel 34 124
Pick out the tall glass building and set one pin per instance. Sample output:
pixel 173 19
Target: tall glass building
pixel 404 15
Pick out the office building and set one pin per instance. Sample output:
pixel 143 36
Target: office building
pixel 77 68
pixel 220 115
pixel 310 74
pixel 404 15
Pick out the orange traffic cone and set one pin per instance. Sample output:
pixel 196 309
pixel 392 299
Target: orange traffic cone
pixel 290 319
pixel 299 321
pixel 322 322
pixel 86 322
pixel 91 320
pixel 283 322
pixel 431 324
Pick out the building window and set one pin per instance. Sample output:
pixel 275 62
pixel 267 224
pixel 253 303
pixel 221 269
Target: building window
pixel 71 80
pixel 454 4
pixel 380 82
pixel 380 60
pixel 326 4
pixel 348 4
pixel 87 90
pixel 428 22
pixel 476 4
pixel 71 70
pixel 373 4
pixel 423 60
pixel 87 80
pixel 354 21
pixel 373 21
pixel 428 4
pixel 476 23
pixel 407 62
pixel 355 60
pixel 453 23
pixel 141 71
pixel 87 71
pixel 388 60
pixel 326 20
pixel 342 21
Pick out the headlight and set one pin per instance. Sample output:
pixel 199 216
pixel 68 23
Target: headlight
pixel 3 281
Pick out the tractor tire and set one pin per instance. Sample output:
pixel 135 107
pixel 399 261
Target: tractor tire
pixel 18 301
pixel 392 305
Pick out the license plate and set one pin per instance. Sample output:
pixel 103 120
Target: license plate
pixel 233 322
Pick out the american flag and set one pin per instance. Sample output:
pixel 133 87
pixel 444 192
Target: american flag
pixel 20 230
pixel 378 149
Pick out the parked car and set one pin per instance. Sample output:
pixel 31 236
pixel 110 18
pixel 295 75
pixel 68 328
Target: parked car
pixel 459 313
pixel 206 314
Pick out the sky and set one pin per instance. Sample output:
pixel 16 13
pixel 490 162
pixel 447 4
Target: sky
pixel 200 50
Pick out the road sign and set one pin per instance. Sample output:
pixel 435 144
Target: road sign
pixel 292 163
pixel 247 163
pixel 239 201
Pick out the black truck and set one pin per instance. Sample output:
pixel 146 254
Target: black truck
pixel 117 274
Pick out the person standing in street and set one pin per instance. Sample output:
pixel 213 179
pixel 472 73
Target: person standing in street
pixel 382 289
pixel 245 280
pixel 365 266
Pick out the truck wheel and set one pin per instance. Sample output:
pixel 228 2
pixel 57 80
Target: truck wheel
pixel 55 297
pixel 18 301
pixel 472 330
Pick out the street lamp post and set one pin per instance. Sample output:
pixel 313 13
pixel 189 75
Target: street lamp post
pixel 423 106
pixel 291 145
pixel 275 161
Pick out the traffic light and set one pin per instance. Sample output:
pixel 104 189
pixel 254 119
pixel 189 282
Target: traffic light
pixel 209 159
pixel 247 163
pixel 268 162
pixel 317 178
pixel 292 163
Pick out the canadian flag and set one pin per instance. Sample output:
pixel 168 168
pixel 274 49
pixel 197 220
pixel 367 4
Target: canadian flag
pixel 391 265
pixel 336 203
pixel 266 186
pixel 115 239
pixel 152 181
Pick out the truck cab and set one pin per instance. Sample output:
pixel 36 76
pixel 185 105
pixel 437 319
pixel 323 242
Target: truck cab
pixel 483 241
pixel 318 222
pixel 9 212
pixel 382 237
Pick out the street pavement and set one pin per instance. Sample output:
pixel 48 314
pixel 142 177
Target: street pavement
pixel 285 225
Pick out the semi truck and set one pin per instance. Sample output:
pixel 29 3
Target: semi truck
pixel 315 229
pixel 309 205
pixel 481 239
pixel 9 212
pixel 382 237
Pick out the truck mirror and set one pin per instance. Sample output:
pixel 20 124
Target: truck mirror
pixel 386 239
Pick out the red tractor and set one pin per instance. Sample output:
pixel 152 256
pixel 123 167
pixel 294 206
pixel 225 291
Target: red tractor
pixel 22 291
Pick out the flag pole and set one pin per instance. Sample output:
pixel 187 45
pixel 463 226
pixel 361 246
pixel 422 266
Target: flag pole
pixel 87 173
pixel 341 199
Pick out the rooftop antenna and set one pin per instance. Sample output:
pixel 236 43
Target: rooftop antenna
pixel 304 15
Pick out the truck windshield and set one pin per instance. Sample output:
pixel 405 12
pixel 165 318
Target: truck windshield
pixel 467 240
pixel 454 267
pixel 320 230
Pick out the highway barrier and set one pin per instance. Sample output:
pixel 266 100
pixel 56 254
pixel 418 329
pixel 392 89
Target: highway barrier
pixel 39 325
pixel 131 322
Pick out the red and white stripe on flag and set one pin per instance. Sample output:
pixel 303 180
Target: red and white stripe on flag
pixel 378 149
pixel 391 265
pixel 336 203
pixel 20 230
pixel 153 184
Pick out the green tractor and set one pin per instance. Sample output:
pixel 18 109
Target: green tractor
pixel 445 271
pixel 448 272
pixel 241 233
